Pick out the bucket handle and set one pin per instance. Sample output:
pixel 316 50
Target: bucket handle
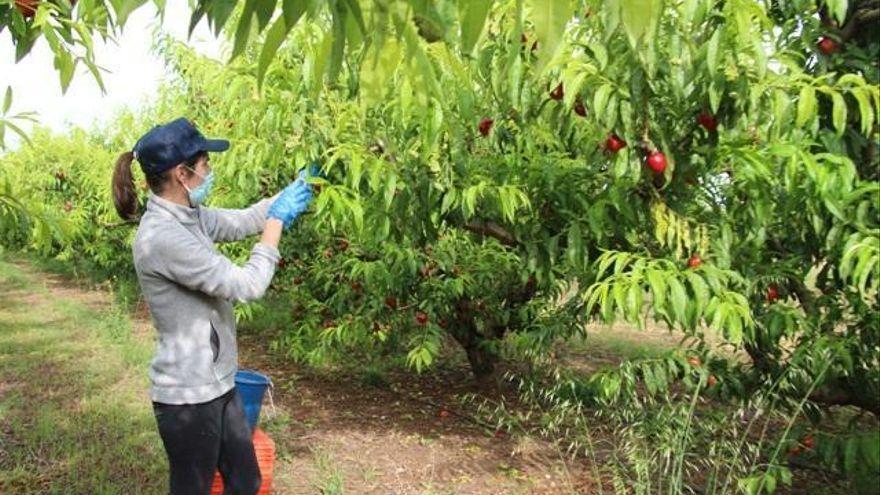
pixel 268 389
pixel 271 401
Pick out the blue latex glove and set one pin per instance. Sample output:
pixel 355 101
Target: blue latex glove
pixel 292 202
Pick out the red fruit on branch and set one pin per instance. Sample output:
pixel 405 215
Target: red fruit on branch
pixel 614 143
pixel 772 294
pixel 707 120
pixel 711 381
pixel 28 8
pixel 342 245
pixel 827 45
pixel 580 109
pixel 808 442
pixel 557 93
pixel 694 361
pixel 694 261
pixel 485 126
pixel 656 161
pixel 443 413
pixel 391 302
pixel 421 318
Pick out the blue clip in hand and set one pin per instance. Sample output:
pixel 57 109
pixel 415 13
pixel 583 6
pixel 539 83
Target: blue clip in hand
pixel 313 170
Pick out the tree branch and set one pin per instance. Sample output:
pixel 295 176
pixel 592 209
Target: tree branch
pixel 861 17
pixel 491 229
pixel 133 221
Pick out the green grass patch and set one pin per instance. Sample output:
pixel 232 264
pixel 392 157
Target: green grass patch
pixel 75 415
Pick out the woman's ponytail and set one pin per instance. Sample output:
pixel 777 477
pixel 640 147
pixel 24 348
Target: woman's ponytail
pixel 124 195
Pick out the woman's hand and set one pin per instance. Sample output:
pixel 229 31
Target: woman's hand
pixel 292 202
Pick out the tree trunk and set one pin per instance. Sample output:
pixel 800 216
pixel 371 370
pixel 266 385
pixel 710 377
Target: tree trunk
pixel 482 362
pixel 464 330
pixel 841 392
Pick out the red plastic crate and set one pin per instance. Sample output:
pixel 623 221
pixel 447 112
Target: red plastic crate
pixel 265 450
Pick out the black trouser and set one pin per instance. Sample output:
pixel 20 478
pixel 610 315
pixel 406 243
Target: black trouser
pixel 201 438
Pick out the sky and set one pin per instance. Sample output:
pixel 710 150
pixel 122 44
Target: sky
pixel 133 78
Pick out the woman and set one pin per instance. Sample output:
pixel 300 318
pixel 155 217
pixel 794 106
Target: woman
pixel 190 288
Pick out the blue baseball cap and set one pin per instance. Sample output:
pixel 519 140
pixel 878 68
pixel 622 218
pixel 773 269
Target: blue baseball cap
pixel 166 146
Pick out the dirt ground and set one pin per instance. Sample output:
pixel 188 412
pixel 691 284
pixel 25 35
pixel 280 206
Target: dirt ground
pixel 409 436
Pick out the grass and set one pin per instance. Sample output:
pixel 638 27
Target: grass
pixel 329 480
pixel 75 415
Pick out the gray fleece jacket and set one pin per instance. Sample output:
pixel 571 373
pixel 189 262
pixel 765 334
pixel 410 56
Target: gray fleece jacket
pixel 190 288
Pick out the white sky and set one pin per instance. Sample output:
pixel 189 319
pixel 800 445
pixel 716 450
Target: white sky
pixel 133 78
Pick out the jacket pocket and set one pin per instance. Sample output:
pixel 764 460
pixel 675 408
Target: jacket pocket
pixel 215 342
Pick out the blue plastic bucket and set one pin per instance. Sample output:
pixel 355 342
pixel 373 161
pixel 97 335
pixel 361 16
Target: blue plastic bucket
pixel 251 387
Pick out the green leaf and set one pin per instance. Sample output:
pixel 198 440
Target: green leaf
pixel 837 9
pixel 219 14
pixel 277 33
pixel 194 19
pixel 866 111
pixel 264 10
pixel 7 100
pixel 124 8
pixel 638 16
pixel 354 8
pixel 806 107
pixel 850 454
pixel 678 298
pixel 838 114
pixel 658 287
pixel 338 47
pixel 600 98
pixel 549 18
pixel 472 16
pixel 712 53
pixel 243 31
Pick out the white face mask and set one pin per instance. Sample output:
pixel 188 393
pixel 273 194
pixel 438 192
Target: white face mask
pixel 198 195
